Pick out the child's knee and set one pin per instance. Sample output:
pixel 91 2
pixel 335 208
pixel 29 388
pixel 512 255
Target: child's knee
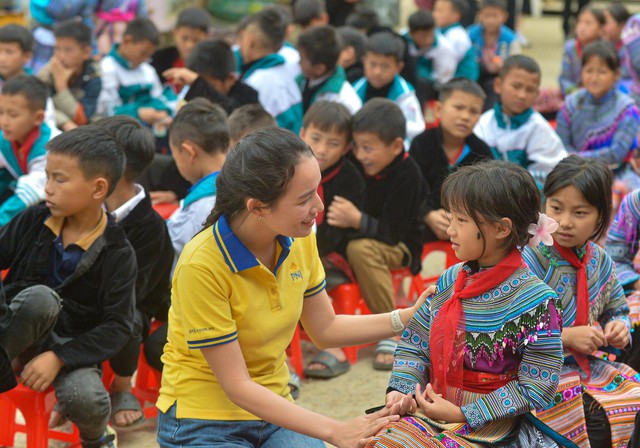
pixel 360 250
pixel 82 396
pixel 40 302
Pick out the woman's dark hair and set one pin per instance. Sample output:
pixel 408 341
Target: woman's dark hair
pixel 596 12
pixel 259 167
pixel 603 50
pixel 592 178
pixel 493 190
pixel 619 12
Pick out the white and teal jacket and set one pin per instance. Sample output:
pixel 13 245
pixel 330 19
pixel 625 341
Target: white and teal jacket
pixel 458 36
pixel 27 186
pixel 437 63
pixel 526 139
pixel 126 89
pixel 404 95
pixel 291 57
pixel 277 90
pixel 335 88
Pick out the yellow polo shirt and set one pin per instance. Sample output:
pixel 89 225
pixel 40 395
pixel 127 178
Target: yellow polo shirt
pixel 222 293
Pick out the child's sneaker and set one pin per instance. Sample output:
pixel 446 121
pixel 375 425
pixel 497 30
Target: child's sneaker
pixel 108 440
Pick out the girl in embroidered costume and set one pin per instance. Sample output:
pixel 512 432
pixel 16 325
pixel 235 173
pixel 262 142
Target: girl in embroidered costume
pixel 486 348
pixel 597 399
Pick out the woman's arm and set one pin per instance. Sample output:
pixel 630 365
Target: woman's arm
pixel 228 365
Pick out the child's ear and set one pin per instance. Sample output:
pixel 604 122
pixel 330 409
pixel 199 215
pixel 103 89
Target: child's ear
pixel 101 188
pixel 86 51
pixel 438 110
pixel 190 148
pixel 39 117
pixel 397 146
pixel 497 85
pixel 400 66
pixel 302 132
pixel 503 228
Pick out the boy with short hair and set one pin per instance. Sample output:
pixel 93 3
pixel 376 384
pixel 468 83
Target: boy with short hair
pixel 388 227
pixel 310 13
pixel 434 55
pixel 266 71
pixel 22 145
pixel 68 251
pixel 210 73
pixel 246 119
pixel 493 42
pixel 72 75
pixel 192 27
pixel 327 130
pixel 382 66
pixel 440 151
pixel 354 43
pixel 512 129
pixel 199 140
pixel 447 15
pixel 322 78
pixel 130 207
pixel 130 85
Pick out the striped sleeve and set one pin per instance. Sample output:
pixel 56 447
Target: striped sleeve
pixel 622 239
pixel 207 319
pixel 316 275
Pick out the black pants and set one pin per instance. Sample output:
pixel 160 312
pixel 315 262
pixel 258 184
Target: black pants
pixel 632 357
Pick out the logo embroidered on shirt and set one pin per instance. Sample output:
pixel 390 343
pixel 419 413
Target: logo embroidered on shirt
pixel 296 274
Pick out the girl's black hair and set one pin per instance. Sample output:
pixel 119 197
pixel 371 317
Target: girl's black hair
pixel 259 167
pixel 592 178
pixel 596 12
pixel 493 190
pixel 603 50
pixel 619 12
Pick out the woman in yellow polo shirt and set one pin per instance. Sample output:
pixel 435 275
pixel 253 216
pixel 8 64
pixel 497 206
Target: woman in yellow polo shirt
pixel 239 289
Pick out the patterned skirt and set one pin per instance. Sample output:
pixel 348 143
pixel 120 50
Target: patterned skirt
pixel 615 386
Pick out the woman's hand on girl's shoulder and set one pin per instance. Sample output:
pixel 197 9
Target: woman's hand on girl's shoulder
pixel 359 431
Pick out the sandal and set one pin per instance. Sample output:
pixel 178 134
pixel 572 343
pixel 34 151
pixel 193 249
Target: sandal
pixel 125 401
pixel 295 384
pixel 385 347
pixel 334 367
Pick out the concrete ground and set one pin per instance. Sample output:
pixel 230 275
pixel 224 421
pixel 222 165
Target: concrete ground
pixel 362 387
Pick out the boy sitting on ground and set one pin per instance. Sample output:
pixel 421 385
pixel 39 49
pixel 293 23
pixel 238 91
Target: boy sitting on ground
pixel 447 14
pixel 68 251
pixel 130 207
pixel 22 145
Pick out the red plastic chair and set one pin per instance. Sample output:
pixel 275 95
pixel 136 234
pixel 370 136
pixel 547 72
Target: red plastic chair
pixel 294 352
pixel 346 299
pixel 36 409
pixel 423 283
pixel 165 209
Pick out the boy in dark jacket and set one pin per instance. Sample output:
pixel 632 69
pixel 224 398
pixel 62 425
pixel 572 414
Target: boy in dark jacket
pixel 441 151
pixel 67 252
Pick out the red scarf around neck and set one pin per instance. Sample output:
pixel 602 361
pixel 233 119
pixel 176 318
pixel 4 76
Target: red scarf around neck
pixel 330 175
pixel 447 338
pixel 582 295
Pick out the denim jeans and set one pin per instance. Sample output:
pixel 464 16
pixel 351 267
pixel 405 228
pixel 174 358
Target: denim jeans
pixel 188 432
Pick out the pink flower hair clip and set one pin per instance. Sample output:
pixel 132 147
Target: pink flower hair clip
pixel 542 230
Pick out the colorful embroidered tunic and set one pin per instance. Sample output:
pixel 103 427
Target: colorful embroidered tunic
pixel 512 330
pixel 613 385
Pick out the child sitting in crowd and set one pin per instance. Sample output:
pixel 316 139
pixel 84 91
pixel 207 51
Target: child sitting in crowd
pixel 130 207
pixel 512 129
pixel 192 27
pixel 310 13
pixel 382 66
pixel 599 121
pixel 387 229
pixel 111 18
pixel 493 42
pixel 589 28
pixel 130 85
pixel 442 150
pixel 265 70
pixel 616 16
pixel 67 252
pixel 22 145
pixel 199 139
pixel 72 75
pixel 327 130
pixel 486 349
pixel 597 399
pixel 447 15
pixel 354 44
pixel 322 78
pixel 246 119
pixel 210 73
pixel 434 55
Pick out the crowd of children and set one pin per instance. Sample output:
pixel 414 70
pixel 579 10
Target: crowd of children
pixel 295 157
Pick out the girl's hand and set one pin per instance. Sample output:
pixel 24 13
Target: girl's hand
pixel 583 339
pixel 617 334
pixel 437 408
pixel 360 430
pixel 406 402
